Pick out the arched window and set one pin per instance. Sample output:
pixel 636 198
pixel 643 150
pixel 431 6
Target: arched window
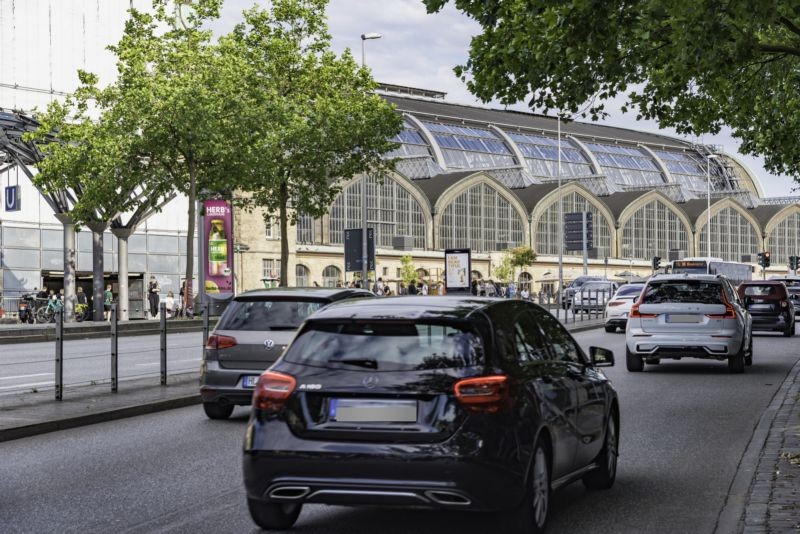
pixel 422 273
pixel 654 230
pixel 480 219
pixel 547 227
pixel 331 275
pixel 391 210
pixel 525 280
pixel 740 237
pixel 301 275
pixel 784 240
pixel 476 275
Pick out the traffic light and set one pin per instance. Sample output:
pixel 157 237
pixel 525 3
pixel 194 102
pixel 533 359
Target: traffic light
pixel 761 259
pixel 656 262
pixel 766 260
pixel 794 262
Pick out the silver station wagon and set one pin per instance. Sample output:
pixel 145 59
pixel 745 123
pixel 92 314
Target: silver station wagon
pixel 689 316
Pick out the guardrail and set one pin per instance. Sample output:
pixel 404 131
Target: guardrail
pixel 583 306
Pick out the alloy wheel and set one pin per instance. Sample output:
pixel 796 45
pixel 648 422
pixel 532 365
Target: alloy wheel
pixel 541 488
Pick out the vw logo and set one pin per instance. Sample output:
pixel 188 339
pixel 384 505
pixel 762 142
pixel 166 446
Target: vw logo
pixel 268 343
pixel 370 382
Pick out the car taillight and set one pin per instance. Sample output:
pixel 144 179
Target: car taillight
pixel 615 303
pixel 220 342
pixel 784 304
pixel 484 394
pixel 272 390
pixel 730 313
pixel 635 313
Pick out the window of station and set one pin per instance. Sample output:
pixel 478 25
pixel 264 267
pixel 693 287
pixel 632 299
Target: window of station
pixel 784 240
pixel 305 229
pixel 653 230
pixel 741 238
pixel 541 156
pixel 689 169
pixel 628 166
pixel 412 145
pixel 549 223
pixel 331 275
pixel 302 275
pixel 467 147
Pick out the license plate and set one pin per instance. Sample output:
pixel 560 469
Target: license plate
pixel 683 318
pixel 373 411
pixel 249 381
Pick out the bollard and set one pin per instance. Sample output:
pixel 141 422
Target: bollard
pixel 204 311
pixel 114 349
pixel 59 354
pixel 163 327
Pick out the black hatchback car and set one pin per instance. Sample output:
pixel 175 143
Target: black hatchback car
pixel 459 403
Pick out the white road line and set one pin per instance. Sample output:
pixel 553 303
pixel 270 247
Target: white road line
pixel 28 385
pixel 25 376
pixel 147 364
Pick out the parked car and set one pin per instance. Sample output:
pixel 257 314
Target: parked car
pixel 250 335
pixel 769 305
pixel 619 306
pixel 593 295
pixel 568 295
pixel 456 403
pixel 689 316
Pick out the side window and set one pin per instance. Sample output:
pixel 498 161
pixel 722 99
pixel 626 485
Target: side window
pixel 563 347
pixel 528 340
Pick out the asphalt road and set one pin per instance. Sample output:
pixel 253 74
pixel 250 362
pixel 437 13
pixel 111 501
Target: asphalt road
pixel 28 366
pixel 684 428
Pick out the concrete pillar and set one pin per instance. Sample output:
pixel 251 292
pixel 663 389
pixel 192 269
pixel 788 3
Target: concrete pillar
pixel 70 258
pixel 98 271
pixel 122 235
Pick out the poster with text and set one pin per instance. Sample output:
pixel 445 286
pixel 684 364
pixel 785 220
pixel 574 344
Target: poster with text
pixel 457 270
pixel 218 232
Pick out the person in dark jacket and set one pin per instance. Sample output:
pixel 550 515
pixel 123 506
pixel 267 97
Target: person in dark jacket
pixel 153 290
pixel 412 288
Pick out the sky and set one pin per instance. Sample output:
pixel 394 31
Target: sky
pixel 420 50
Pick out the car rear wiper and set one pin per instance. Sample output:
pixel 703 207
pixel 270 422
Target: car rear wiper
pixel 283 327
pixel 369 363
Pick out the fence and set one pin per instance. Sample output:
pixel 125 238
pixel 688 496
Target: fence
pixel 58 364
pixel 580 306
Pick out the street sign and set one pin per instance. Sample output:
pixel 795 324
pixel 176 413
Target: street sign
pixel 12 198
pixel 353 251
pixel 574 231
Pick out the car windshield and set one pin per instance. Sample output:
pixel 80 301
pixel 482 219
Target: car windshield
pixel 696 291
pixel 759 291
pixel 578 282
pixel 596 286
pixel 629 290
pixel 386 346
pixel 267 314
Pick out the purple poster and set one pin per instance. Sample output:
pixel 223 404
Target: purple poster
pixel 218 231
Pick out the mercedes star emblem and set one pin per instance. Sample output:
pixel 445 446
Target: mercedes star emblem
pixel 370 382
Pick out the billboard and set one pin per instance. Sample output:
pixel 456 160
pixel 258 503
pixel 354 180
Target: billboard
pixel 218 252
pixel 353 251
pixel 457 269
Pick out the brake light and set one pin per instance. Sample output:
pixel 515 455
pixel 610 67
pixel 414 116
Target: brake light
pixel 635 313
pixel 730 313
pixel 615 303
pixel 784 304
pixel 272 390
pixel 484 394
pixel 220 342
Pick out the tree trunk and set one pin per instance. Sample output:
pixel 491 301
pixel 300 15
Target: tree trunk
pixel 284 221
pixel 98 272
pixel 69 266
pixel 122 259
pixel 187 293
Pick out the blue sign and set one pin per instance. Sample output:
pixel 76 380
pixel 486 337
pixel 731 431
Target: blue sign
pixel 12 199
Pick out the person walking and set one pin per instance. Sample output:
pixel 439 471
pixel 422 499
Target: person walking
pixel 412 288
pixel 108 298
pixel 153 290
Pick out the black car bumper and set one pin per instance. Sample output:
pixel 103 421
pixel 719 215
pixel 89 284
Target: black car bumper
pixel 771 322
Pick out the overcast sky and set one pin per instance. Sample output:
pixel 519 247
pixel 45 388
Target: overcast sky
pixel 421 50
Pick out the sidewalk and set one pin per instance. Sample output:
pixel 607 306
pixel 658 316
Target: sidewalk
pixel 29 414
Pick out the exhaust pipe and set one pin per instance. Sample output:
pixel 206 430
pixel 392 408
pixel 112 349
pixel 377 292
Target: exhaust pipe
pixel 288 493
pixel 448 498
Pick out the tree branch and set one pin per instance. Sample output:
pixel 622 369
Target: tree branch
pixel 771 48
pixel 790 25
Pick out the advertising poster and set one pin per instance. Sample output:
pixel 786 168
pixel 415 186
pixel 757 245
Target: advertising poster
pixel 457 270
pixel 218 232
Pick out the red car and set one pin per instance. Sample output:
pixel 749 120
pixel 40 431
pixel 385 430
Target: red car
pixel 769 305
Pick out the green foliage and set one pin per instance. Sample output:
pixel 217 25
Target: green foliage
pixel 308 118
pixel 503 270
pixel 522 256
pixel 407 271
pixel 690 64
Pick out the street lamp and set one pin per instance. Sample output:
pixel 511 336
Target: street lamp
pixel 708 210
pixel 364 253
pixel 560 223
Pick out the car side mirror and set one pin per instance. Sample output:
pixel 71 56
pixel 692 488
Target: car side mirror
pixel 601 357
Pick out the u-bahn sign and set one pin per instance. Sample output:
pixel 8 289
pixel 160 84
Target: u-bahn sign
pixel 12 199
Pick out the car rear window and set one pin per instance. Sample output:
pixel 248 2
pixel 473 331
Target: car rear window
pixel 629 290
pixel 697 291
pixel 765 290
pixel 386 346
pixel 596 286
pixel 267 314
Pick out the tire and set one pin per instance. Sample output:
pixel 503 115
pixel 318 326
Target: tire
pixel 215 410
pixel 530 517
pixel 789 331
pixel 634 363
pixel 736 361
pixel 748 357
pixel 45 315
pixel 273 516
pixel 611 329
pixel 603 477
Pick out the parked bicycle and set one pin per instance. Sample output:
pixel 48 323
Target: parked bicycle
pixel 47 313
pixel 82 312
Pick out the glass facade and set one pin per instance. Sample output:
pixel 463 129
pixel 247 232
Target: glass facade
pixel 547 227
pixel 784 240
pixel 654 230
pixel 467 147
pixel 541 156
pixel 391 210
pixel 481 219
pixel 734 236
pixel 627 165
pixel 412 145
pixel 689 169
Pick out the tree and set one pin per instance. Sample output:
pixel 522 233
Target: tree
pixel 407 271
pixel 504 269
pixel 310 118
pixel 522 256
pixel 690 64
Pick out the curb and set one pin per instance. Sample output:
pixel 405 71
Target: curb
pixel 730 517
pixel 98 417
pixel 91 333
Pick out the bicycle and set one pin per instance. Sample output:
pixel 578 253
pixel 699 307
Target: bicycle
pixel 47 314
pixel 81 312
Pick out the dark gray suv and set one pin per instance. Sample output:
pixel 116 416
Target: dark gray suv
pixel 251 334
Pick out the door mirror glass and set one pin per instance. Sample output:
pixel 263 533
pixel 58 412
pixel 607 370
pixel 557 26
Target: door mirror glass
pixel 601 357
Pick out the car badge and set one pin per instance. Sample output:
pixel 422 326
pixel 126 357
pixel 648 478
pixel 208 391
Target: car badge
pixel 268 343
pixel 370 382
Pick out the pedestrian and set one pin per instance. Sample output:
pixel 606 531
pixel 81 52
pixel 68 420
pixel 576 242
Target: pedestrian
pixel 108 298
pixel 80 296
pixel 387 291
pixel 60 295
pixel 525 294
pixel 153 291
pixel 412 288
pixel 423 287
pixel 474 287
pixel 401 290
pixel 378 287
pixel 42 294
pixel 170 304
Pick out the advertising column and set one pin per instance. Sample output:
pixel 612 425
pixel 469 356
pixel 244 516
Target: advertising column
pixel 217 261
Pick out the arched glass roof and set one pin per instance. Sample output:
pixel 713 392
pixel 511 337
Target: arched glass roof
pixel 411 143
pixel 541 156
pixel 468 147
pixel 627 165
pixel 689 170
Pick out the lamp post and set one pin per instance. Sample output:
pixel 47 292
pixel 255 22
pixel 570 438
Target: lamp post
pixel 364 250
pixel 708 210
pixel 560 223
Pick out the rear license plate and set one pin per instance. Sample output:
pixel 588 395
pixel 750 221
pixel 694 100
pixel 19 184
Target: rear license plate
pixel 373 411
pixel 249 381
pixel 672 318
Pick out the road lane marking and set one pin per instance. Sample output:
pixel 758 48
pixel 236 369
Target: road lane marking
pixel 196 360
pixel 34 384
pixel 25 376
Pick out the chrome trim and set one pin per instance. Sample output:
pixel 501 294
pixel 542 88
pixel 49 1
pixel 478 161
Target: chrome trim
pixel 557 483
pixel 298 492
pixel 436 496
pixel 368 493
